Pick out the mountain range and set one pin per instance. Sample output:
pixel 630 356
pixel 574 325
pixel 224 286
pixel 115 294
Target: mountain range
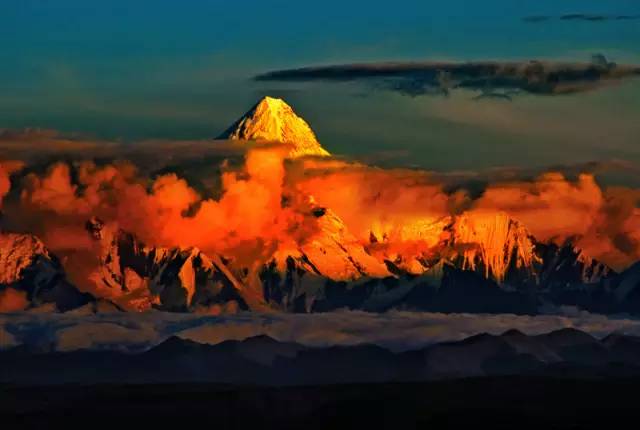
pixel 265 361
pixel 478 261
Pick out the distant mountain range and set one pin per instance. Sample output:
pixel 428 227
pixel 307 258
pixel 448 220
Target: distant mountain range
pixel 265 361
pixel 478 261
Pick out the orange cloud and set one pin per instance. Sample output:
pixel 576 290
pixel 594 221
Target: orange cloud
pixel 605 223
pixel 12 300
pixel 386 202
pixel 248 222
pixel 551 206
pixel 266 204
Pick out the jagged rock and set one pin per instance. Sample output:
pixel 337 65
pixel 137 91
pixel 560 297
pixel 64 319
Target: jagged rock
pixel 501 249
pixel 138 277
pixel 27 267
pixel 413 248
pixel 334 253
pixel 476 262
pixel 563 266
pixel 492 244
pixel 297 277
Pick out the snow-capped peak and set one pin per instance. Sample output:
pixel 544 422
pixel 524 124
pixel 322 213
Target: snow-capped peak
pixel 273 120
pixel 18 252
pixel 494 240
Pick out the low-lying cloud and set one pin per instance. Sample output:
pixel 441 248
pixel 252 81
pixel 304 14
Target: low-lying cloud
pixel 398 331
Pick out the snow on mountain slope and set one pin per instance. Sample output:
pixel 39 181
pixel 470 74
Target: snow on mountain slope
pixel 300 275
pixel 20 252
pixel 273 120
pixel 492 243
pixel 336 254
pixel 477 261
pixel 30 272
pixel 139 277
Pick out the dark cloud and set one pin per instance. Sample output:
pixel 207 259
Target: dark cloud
pixel 536 18
pixel 585 17
pixel 39 148
pixel 476 182
pixel 493 79
pixel 597 18
pixel 35 144
pixel 627 17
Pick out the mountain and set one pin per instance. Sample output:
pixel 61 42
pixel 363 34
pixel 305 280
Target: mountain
pixel 263 360
pixel 477 262
pixel 630 281
pixel 334 270
pixel 492 244
pixel 497 247
pixel 299 278
pixel 489 243
pixel 514 353
pixel 33 277
pixel 563 265
pixel 137 277
pixel 273 120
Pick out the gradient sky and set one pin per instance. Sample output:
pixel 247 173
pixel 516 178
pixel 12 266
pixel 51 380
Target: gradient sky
pixel 181 70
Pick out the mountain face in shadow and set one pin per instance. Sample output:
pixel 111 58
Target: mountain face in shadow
pixel 266 361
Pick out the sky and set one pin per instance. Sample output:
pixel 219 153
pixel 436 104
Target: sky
pixel 183 70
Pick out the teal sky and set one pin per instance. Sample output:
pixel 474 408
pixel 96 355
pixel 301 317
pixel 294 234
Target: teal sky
pixel 181 70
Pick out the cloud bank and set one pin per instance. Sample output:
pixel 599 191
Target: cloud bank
pixel 605 222
pixel 249 205
pixel 398 331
